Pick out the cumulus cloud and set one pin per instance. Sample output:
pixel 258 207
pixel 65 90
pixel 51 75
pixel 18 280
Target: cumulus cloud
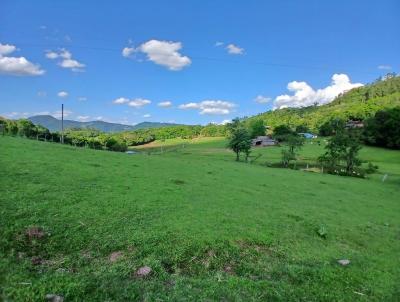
pixel 219 43
pixel 212 107
pixel 136 103
pixel 224 122
pixel 65 60
pixel 62 94
pixel 147 115
pixel 234 49
pixel 128 51
pixel 15 115
pixel 304 95
pixel 57 114
pixel 17 66
pixel 120 101
pixel 262 99
pixel 165 104
pixel 384 67
pixel 6 49
pixel 165 53
pixel 83 118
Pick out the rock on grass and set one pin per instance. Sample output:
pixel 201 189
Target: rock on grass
pixel 115 256
pixel 35 233
pixel 344 262
pixel 54 298
pixel 143 271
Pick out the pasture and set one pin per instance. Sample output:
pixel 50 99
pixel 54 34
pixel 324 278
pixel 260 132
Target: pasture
pixel 208 227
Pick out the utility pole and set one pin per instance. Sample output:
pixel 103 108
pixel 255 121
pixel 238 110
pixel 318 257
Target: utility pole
pixel 62 123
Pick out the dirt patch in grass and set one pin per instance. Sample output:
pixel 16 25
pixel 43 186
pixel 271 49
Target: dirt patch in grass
pixel 178 181
pixel 35 233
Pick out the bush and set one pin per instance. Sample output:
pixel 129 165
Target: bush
pixel 371 168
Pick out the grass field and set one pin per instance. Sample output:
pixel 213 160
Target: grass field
pixel 209 228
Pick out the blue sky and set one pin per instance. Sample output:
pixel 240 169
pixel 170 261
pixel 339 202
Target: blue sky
pixel 188 61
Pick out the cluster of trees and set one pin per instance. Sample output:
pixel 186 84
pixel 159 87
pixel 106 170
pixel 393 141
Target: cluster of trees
pixel 24 127
pixel 144 136
pixel 341 152
pixel 357 104
pixel 341 156
pixel 383 129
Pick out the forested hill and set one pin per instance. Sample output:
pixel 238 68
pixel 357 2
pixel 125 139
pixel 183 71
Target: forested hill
pixel 54 124
pixel 356 104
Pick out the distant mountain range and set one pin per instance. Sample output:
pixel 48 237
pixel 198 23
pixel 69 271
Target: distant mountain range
pixel 54 124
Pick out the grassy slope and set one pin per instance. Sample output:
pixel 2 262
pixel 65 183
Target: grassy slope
pixel 190 215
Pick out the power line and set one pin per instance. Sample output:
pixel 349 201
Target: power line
pixel 242 61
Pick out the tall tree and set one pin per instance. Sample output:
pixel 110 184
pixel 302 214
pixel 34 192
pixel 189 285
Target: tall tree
pixel 384 129
pixel 343 147
pixel 257 128
pixel 294 143
pixel 240 141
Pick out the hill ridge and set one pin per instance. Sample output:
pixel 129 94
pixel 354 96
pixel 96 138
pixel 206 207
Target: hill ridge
pixel 54 124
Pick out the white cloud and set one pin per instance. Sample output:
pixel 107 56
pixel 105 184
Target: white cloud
pixel 62 94
pixel 82 98
pixel 57 114
pixel 66 60
pixel 137 103
pixel 384 67
pixel 165 53
pixel 121 101
pixel 147 115
pixel 18 66
pixel 15 115
pixel 83 118
pixel 98 118
pixel 6 49
pixel 72 64
pixel 165 104
pixel 224 122
pixel 234 49
pixel 128 51
pixel 218 43
pixel 51 55
pixel 304 95
pixel 262 99
pixel 42 94
pixel 212 107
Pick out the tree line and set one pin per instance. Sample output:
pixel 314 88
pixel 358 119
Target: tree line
pixel 92 138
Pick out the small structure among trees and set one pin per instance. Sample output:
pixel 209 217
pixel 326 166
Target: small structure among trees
pixel 263 141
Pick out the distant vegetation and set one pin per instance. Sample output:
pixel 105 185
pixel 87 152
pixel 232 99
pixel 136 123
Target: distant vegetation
pixel 383 129
pixel 95 139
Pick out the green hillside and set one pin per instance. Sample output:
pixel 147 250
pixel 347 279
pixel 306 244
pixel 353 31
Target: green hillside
pixel 358 104
pixel 80 223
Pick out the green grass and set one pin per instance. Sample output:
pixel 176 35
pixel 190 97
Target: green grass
pixel 210 228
